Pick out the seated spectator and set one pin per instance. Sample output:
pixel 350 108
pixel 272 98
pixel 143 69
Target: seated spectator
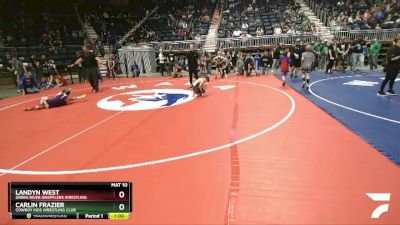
pixel 237 33
pixel 277 30
pixel 291 31
pixel 259 32
pixel 258 22
pixel 206 18
pixel 197 37
pixel 135 69
pixel 28 84
pixel 61 81
pixel 245 36
pixel 250 8
pixel 245 26
pixel 177 69
pixel 42 84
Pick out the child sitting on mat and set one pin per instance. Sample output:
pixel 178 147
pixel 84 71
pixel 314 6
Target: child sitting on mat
pixel 60 99
pixel 200 86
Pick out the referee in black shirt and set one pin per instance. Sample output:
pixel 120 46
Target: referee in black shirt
pixel 192 62
pixel 392 68
pixel 90 63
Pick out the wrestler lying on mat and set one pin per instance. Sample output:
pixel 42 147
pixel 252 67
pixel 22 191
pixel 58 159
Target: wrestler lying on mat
pixel 200 85
pixel 60 99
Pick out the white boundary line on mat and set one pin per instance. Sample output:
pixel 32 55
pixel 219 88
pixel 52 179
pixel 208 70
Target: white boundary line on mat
pixel 346 107
pixel 63 141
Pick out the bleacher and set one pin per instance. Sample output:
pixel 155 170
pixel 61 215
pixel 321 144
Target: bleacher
pixel 45 23
pixel 380 14
pixel 262 14
pixel 38 28
pixel 110 22
pixel 167 22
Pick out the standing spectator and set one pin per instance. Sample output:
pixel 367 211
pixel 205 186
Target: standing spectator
pixel 266 62
pixel 296 59
pixel 234 58
pixel 358 53
pixel 192 63
pixel 43 63
pixel 208 63
pixel 161 61
pixel 110 41
pixel 240 66
pixel 111 68
pixel 373 54
pixel 392 68
pixel 342 52
pixel 307 61
pixel 53 72
pixel 220 61
pixel 100 47
pixel 229 62
pixel 203 65
pixel 34 64
pixel 276 52
pixel 317 48
pixel 324 55
pixel 331 57
pixel 17 69
pixel 284 62
pixel 6 63
pixel 171 61
pixel 248 64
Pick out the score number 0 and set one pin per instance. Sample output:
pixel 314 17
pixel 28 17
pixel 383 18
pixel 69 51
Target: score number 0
pixel 121 206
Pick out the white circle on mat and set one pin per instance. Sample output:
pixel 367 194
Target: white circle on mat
pixel 174 158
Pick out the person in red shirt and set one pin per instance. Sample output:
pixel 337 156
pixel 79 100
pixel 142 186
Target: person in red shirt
pixel 61 81
pixel 284 62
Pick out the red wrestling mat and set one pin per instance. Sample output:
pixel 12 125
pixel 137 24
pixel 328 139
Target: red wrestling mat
pixel 250 152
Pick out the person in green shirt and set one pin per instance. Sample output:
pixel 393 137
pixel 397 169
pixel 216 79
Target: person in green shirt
pixel 323 55
pixel 316 48
pixel 374 50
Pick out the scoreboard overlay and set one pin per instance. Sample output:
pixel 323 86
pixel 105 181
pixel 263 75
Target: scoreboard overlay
pixel 70 200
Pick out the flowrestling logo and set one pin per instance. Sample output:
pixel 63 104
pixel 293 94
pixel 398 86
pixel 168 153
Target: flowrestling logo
pixel 146 99
pixel 384 207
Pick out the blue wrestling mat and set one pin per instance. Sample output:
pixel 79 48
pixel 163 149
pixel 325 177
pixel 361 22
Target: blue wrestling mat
pixel 353 100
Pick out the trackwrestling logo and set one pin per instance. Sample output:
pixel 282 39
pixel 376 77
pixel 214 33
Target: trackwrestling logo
pixel 146 99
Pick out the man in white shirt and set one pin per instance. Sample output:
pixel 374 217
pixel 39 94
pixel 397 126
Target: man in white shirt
pixel 245 26
pixel 258 32
pixel 277 30
pixel 237 33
